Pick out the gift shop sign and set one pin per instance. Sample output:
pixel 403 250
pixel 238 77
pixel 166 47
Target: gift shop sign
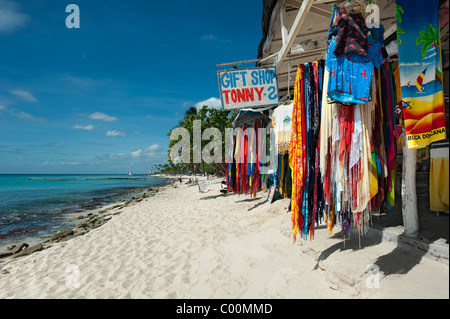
pixel 252 88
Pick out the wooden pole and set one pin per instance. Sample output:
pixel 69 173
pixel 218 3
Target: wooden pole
pixel 237 63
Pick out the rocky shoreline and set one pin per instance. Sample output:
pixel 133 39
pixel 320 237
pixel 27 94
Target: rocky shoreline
pixel 87 223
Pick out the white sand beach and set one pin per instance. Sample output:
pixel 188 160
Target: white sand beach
pixel 184 244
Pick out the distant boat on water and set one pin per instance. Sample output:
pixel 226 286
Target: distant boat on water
pixel 130 173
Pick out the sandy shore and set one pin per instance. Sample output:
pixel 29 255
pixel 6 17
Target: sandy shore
pixel 184 244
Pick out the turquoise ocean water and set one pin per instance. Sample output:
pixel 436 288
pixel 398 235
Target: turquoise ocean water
pixel 32 209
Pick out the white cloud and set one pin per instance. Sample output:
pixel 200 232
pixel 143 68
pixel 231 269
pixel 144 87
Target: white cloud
pixel 46 163
pixel 53 144
pixel 2 107
pixel 211 102
pixel 27 117
pixel 24 95
pixel 148 152
pixel 106 158
pixel 212 37
pixel 115 133
pixel 11 18
pixel 153 148
pixel 70 163
pixel 208 37
pixel 85 128
pixel 83 82
pixel 136 154
pixel 102 117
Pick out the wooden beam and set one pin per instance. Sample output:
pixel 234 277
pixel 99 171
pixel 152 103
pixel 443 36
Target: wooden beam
pixel 273 55
pixel 390 31
pixel 299 2
pixel 300 37
pixel 319 11
pixel 307 46
pixel 315 53
pixel 237 63
pixel 319 53
pixel 294 3
pixel 324 1
pixel 284 30
pixel 296 26
pixel 273 20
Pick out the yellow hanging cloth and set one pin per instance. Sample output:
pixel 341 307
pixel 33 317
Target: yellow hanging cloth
pixel 439 182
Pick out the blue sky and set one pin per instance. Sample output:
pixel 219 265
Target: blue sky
pixel 101 98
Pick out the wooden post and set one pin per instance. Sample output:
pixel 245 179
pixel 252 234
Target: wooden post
pixel 409 195
pixel 295 28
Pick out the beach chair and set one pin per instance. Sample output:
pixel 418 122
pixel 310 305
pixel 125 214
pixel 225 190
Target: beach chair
pixel 223 187
pixel 203 187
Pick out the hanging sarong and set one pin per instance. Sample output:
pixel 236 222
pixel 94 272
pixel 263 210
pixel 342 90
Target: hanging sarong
pixel 391 145
pixel 296 154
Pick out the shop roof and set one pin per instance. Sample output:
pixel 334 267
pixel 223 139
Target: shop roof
pixel 302 27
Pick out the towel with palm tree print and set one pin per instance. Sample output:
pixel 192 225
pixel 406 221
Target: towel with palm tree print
pixel 419 53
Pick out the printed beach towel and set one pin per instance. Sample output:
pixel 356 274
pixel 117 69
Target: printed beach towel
pixel 419 51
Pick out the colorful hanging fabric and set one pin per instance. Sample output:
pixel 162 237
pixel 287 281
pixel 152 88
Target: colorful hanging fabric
pixel 296 152
pixel 349 81
pixel 391 145
pixel 357 154
pixel 253 160
pixel 230 164
pixel 244 174
pixel 351 36
pixel 244 164
pixel 326 135
pixel 238 157
pixel 419 52
pixel 316 183
pixel 439 182
pixel 307 202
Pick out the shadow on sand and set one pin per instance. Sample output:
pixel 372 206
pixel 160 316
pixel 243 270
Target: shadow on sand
pixel 397 262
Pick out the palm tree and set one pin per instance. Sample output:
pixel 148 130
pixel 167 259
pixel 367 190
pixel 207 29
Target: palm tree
pixel 430 37
pixel 398 16
pixel 190 111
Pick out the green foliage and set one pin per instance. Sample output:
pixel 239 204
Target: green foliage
pixel 209 118
pixel 398 13
pixel 398 16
